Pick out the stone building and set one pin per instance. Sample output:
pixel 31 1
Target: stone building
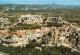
pixel 30 19
pixel 54 19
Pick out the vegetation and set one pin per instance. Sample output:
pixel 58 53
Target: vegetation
pixel 54 24
pixel 31 50
pixel 25 26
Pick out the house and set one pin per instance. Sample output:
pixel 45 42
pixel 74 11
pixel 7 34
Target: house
pixel 39 48
pixel 54 19
pixel 45 28
pixel 62 38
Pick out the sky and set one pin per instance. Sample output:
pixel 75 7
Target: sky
pixel 60 2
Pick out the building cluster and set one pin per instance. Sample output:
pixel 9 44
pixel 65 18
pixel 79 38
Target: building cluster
pixel 37 19
pixel 30 19
pixel 54 19
pixel 4 21
pixel 58 35
pixel 67 35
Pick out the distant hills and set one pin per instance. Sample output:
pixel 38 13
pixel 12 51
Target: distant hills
pixel 73 5
pixel 53 4
pixel 25 7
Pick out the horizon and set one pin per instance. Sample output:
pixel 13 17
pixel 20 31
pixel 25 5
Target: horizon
pixel 59 2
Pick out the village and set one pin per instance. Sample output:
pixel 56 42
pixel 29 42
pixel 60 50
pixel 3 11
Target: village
pixel 66 35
